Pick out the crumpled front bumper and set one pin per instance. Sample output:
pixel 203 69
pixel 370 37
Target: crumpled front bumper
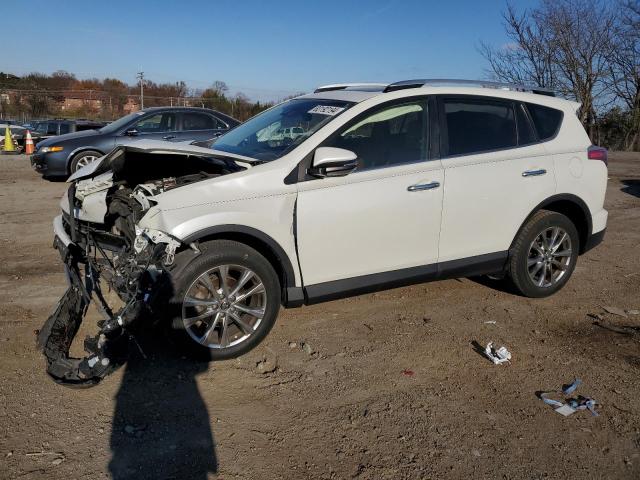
pixel 105 352
pixel 138 276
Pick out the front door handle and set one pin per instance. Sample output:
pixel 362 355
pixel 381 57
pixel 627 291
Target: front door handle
pixel 423 186
pixel 168 137
pixel 534 173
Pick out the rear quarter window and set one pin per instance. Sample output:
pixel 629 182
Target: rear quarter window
pixel 546 120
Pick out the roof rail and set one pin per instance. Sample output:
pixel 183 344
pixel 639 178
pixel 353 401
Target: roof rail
pixel 373 87
pixel 469 83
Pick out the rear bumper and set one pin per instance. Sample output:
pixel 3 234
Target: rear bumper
pixel 594 240
pixel 598 229
pixel 599 221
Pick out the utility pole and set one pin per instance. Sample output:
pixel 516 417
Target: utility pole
pixel 140 76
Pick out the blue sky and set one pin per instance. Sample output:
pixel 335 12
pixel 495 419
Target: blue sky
pixel 266 49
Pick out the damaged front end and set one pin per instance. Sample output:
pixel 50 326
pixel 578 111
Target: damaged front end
pixel 102 245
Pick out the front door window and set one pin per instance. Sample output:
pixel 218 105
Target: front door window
pixel 159 123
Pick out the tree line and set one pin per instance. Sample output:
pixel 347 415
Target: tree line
pixel 39 95
pixel 586 50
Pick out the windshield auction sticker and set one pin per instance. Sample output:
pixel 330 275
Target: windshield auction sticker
pixel 326 110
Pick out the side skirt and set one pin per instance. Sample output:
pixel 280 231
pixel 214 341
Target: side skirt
pixel 466 267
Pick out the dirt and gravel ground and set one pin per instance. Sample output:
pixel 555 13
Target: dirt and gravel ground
pixel 383 386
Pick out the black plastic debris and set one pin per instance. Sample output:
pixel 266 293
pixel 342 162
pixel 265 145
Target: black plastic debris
pixel 104 355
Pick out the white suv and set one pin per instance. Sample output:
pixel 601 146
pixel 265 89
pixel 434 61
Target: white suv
pixel 388 185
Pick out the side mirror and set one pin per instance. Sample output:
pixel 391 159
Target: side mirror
pixel 332 162
pixel 132 132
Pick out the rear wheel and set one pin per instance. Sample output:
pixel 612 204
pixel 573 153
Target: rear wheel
pixel 544 254
pixel 83 159
pixel 226 300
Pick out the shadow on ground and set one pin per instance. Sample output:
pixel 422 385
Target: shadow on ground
pixel 632 187
pixel 161 426
pixel 498 283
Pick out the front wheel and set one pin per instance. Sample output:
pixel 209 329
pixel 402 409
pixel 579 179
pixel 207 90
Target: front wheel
pixel 544 254
pixel 226 300
pixel 83 159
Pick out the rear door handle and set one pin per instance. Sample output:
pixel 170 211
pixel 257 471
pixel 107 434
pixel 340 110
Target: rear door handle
pixel 168 137
pixel 534 173
pixel 423 186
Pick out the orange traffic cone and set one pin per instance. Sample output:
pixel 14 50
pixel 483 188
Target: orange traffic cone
pixel 28 144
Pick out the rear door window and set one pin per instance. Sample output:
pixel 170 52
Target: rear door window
pixel 546 120
pixel 197 121
pixel 478 125
pixel 65 128
pixel 526 133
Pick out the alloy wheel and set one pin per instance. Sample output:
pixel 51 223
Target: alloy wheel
pixel 84 161
pixel 549 257
pixel 224 306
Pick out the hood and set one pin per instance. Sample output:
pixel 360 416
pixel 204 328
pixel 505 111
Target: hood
pixel 126 181
pixel 158 147
pixel 67 136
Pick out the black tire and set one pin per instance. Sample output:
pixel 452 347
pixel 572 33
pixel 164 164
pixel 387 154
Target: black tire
pixel 80 157
pixel 216 253
pixel 520 255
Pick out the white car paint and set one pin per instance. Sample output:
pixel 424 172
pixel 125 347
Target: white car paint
pixel 368 222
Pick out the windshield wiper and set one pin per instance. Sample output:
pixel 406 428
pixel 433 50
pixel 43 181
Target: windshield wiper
pixel 236 157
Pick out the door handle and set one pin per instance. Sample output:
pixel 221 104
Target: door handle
pixel 423 186
pixel 168 137
pixel 534 173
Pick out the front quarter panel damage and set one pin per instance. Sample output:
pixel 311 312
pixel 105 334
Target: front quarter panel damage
pixel 101 242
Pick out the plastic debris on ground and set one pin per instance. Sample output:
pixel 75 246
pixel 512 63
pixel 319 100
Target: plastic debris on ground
pixel 570 405
pixel 498 356
pixel 615 311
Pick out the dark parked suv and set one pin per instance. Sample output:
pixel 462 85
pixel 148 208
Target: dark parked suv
pixel 62 155
pixel 51 128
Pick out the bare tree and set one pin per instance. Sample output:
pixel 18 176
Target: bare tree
pixel 562 44
pixel 220 88
pixel 582 41
pixel 528 57
pixel 625 69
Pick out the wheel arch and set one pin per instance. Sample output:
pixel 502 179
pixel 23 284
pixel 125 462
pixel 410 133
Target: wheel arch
pixel 261 242
pixel 572 207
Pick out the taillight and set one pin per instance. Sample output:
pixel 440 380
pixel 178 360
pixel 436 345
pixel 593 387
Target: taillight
pixel 598 153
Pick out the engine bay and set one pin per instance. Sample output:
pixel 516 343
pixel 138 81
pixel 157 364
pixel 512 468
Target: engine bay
pixel 106 250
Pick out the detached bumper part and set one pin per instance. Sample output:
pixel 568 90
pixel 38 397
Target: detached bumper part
pixel 139 280
pixel 105 352
pixel 55 340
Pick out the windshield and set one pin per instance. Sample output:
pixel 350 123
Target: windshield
pixel 121 122
pixel 279 130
